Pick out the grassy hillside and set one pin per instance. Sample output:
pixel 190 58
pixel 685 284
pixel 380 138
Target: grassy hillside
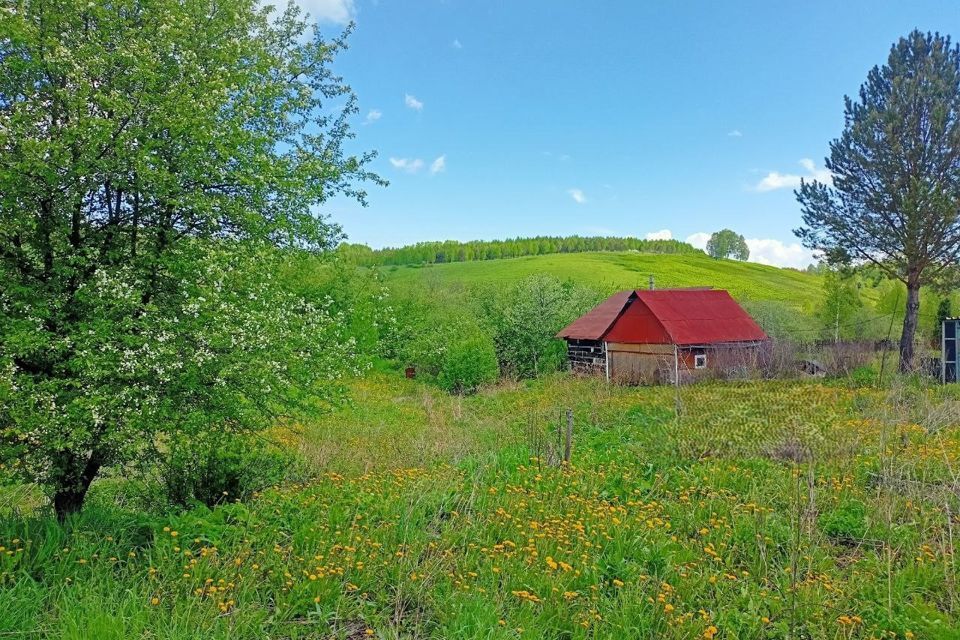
pixel 610 272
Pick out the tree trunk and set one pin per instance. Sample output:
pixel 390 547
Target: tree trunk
pixel 74 483
pixel 909 326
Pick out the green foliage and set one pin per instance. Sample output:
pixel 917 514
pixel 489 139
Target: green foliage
pixel 454 251
pixel 525 318
pixel 841 306
pixel 358 297
pixel 890 303
pixel 781 321
pixel 468 364
pixel 847 521
pixel 863 377
pixel 216 469
pixel 152 159
pixel 894 196
pixel 229 352
pixel 728 244
pixel 426 324
pixel 521 320
pixel 944 311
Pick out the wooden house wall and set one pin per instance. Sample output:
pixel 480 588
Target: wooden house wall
pixel 640 363
pixel 654 363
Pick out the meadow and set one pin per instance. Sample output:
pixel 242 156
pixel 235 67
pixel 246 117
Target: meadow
pixel 615 271
pixel 775 509
pixel 218 420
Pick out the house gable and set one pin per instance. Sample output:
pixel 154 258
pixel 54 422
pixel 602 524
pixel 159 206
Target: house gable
pixel 638 325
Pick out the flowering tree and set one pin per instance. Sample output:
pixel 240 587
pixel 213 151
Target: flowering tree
pixel 156 161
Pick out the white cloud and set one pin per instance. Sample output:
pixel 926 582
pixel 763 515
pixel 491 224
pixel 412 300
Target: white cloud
pixel 456 44
pixel 336 11
pixel 698 240
pixel 776 180
pixel 778 253
pixel 663 234
pixel 410 165
pixel 439 165
pixel 373 115
pixel 577 195
pixel 412 102
pixel 735 133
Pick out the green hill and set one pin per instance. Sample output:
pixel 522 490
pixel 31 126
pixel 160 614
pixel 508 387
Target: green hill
pixel 611 272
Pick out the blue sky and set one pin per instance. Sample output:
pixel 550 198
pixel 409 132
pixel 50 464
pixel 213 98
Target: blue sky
pixel 504 119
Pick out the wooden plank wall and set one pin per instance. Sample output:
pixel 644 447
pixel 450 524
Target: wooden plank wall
pixel 640 363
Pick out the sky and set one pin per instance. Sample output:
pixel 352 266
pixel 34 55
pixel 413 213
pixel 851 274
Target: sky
pixel 501 119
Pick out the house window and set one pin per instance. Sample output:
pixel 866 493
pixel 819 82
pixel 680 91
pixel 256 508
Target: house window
pixel 700 361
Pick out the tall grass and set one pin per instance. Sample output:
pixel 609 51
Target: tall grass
pixel 788 509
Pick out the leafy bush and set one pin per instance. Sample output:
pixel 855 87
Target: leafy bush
pixel 847 522
pixel 468 365
pixel 780 320
pixel 863 377
pixel 524 319
pixel 222 469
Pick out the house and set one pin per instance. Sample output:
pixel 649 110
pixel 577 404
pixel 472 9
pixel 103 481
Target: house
pixel 664 335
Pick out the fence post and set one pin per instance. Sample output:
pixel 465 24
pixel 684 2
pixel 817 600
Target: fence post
pixel 568 444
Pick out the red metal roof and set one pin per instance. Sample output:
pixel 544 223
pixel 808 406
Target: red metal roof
pixel 667 316
pixel 638 324
pixel 593 324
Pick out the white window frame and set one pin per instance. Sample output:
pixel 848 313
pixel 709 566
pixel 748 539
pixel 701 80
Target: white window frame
pixel 700 361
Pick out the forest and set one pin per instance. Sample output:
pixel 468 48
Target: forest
pixel 452 251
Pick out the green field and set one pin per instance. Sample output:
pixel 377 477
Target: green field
pixel 611 272
pixel 770 510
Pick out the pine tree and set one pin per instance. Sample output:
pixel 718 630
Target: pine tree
pixel 895 192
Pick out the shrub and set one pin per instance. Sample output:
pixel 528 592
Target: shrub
pixel 524 319
pixel 221 469
pixel 468 365
pixel 780 320
pixel 847 522
pixel 863 376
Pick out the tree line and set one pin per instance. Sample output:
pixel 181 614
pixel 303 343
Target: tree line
pixel 475 250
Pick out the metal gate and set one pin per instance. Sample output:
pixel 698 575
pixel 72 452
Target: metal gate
pixel 951 329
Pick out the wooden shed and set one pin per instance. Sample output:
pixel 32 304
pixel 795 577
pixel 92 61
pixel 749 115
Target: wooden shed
pixel 640 336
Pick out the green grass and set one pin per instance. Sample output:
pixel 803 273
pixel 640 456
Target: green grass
pixel 611 272
pixel 759 514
